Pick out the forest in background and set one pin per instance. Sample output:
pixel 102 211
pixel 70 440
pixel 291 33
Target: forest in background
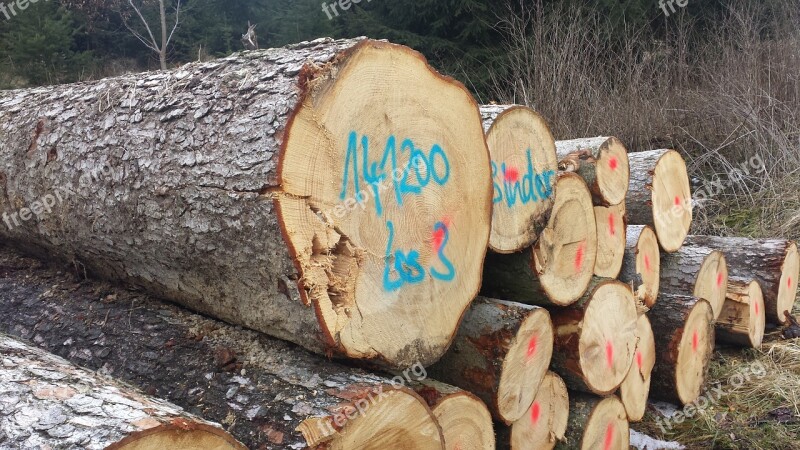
pixel 717 80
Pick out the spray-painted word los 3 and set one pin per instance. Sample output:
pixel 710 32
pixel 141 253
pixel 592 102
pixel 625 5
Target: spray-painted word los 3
pixel 511 186
pixel 422 170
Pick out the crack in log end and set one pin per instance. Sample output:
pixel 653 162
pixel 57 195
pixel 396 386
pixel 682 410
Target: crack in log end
pixel 35 137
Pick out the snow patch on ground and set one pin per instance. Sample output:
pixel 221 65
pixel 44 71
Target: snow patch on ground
pixel 642 441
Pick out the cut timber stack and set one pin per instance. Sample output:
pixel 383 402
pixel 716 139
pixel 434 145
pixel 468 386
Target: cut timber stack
pixel 596 338
pixel 596 423
pixel 684 331
pixel 523 175
pixel 501 353
pixel 47 402
pixel 315 192
pixel 558 269
pixel 641 265
pixel 773 263
pixel 743 319
pixel 271 394
pixel 698 271
pixel 659 195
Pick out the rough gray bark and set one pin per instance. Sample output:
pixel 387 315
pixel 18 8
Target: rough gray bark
pixel 638 202
pixel 489 114
pixel 261 389
pixel 760 260
pixel 46 402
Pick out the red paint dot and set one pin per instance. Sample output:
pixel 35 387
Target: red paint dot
pixel 719 280
pixel 438 238
pixel 609 436
pixel 512 174
pixel 579 255
pixel 755 304
pixel 532 346
pixel 677 201
pixel 610 354
pixel 789 282
pixel 613 163
pixel 536 412
pixel 647 263
pixel 639 360
pixel 695 342
pixel 612 225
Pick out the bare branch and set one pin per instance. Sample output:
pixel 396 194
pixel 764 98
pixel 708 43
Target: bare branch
pixel 177 21
pixel 141 17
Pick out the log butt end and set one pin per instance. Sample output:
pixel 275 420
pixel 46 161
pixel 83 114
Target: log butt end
pixel 607 427
pixel 181 435
pixel 611 237
pixel 466 422
pixel 648 265
pixel 613 172
pixel 635 389
pixel 787 292
pixel 672 201
pixel 743 318
pixel 712 281
pixel 544 424
pixel 694 352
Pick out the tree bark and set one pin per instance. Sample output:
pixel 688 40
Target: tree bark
pixel 595 338
pixel 47 402
pixel 262 389
pixel 602 162
pixel 596 423
pixel 641 265
pixel 697 271
pixel 501 353
pixel 465 420
pixel 659 195
pixel 685 343
pixel 524 168
pixel 773 263
pixel 230 187
pixel 743 318
pixel 545 422
pixel 558 269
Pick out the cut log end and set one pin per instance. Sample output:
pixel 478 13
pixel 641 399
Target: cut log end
pixel 182 435
pixel 787 292
pixel 607 427
pixel 642 265
pixel 712 281
pixel 743 316
pixel 524 169
pixel 635 389
pixel 602 162
pixel 386 211
pixel 565 255
pixel 611 232
pixel 525 365
pixel 465 421
pixel 694 352
pixel 545 422
pixel 399 419
pixel 608 339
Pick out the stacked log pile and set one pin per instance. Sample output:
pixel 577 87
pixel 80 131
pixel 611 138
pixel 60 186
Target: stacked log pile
pixel 311 218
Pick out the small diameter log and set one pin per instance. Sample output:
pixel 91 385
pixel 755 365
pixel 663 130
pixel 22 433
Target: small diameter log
pixel 696 271
pixel 635 389
pixel 743 317
pixel 501 353
pixel 465 420
pixel 524 169
pixel 268 393
pixel 596 338
pixel 545 422
pixel 660 196
pixel 558 269
pixel 773 263
pixel 596 424
pixel 602 162
pixel 685 329
pixel 641 266
pixel 47 402
pixel 315 192
pixel 611 231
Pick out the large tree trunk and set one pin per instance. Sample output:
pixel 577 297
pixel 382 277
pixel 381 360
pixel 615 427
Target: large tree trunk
pixel 501 352
pixel 596 423
pixel 743 317
pixel 596 338
pixel 558 269
pixel 660 196
pixel 245 188
pixel 602 162
pixel 641 265
pixel 774 263
pixel 545 422
pixel 696 271
pixel 635 389
pixel 47 402
pixel 465 420
pixel 524 169
pixel 268 393
pixel 684 327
